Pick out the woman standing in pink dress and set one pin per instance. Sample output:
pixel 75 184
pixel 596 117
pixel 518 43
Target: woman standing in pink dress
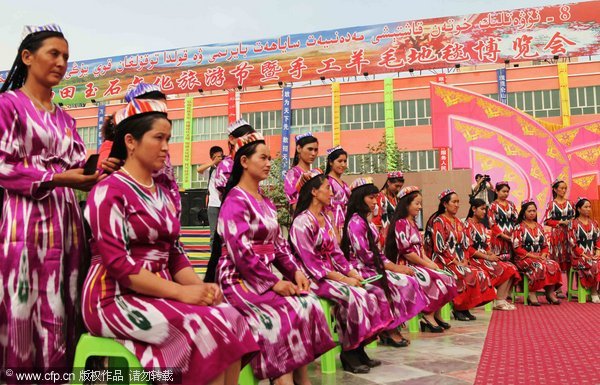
pixel 337 163
pixel 141 288
pixel 42 239
pixel 307 149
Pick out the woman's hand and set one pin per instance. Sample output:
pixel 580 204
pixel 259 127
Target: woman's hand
pixel 285 288
pixel 203 294
pixel 403 269
pixel 351 281
pixel 493 257
pixel 506 237
pixel 74 178
pixel 301 281
pixel 111 165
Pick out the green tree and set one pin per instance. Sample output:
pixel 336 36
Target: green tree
pixel 273 189
pixel 378 158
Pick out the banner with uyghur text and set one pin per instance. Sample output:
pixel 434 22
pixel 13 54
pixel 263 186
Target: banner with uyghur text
pixel 491 37
pixel 502 92
pixel 286 121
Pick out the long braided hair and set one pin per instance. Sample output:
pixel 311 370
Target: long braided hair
pixel 357 205
pixel 236 174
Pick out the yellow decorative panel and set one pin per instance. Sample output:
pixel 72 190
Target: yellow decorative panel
pixel 493 110
pixel 590 155
pixel 567 137
pixel 452 97
pixel 471 133
pixel 512 149
pixel 584 181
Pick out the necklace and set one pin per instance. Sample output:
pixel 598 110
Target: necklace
pixel 149 187
pixel 36 101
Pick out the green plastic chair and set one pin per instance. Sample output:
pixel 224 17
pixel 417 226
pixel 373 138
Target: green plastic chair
pixel 581 292
pixel 247 376
pixel 413 324
pixel 328 358
pixel 524 293
pixel 90 346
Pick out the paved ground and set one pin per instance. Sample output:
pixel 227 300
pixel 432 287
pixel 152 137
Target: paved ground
pixel 446 359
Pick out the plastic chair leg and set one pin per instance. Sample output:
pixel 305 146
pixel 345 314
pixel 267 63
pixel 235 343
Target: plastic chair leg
pixel 446 311
pixel 247 376
pixel 328 358
pixel 488 307
pixel 413 324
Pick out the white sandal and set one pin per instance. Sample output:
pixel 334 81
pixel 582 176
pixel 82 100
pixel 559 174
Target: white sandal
pixel 503 305
pixel 595 299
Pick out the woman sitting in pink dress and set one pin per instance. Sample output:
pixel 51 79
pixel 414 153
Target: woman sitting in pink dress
pixel 141 288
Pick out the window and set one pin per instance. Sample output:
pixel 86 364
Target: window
pixel 265 122
pixel 420 160
pixel 178 171
pixel 412 112
pixel 585 100
pixel 541 104
pixel 316 119
pixel 362 116
pixel 177 131
pixel 198 180
pixel 89 135
pixel 210 128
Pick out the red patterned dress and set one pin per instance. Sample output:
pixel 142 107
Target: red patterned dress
pixel 386 207
pixel 541 273
pixel 448 243
pixel 503 219
pixel 585 242
pixel 558 241
pixel 499 271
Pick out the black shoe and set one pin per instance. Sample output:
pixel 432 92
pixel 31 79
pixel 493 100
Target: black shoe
pixel 553 302
pixel 426 325
pixel 365 360
pixel 470 316
pixel 386 339
pixel 443 324
pixel 532 303
pixel 560 294
pixel 351 362
pixel 460 315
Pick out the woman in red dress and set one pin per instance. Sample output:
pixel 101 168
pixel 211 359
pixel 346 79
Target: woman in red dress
pixel 584 237
pixel 559 213
pixel 531 255
pixel 503 274
pixel 502 219
pixel 446 244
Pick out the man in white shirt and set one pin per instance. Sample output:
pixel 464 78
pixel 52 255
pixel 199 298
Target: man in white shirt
pixel 214 203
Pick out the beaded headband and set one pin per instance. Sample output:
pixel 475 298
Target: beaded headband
pixel 445 193
pixel 247 139
pixel 139 90
pixel 307 176
pixel 138 107
pixel 579 199
pixel 332 149
pixel 557 181
pixel 395 174
pixel 526 201
pixel 502 182
pixel 361 182
pixel 237 124
pixel 407 190
pixel 301 136
pixel 29 29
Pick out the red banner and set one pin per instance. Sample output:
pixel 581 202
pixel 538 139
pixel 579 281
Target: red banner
pixel 492 37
